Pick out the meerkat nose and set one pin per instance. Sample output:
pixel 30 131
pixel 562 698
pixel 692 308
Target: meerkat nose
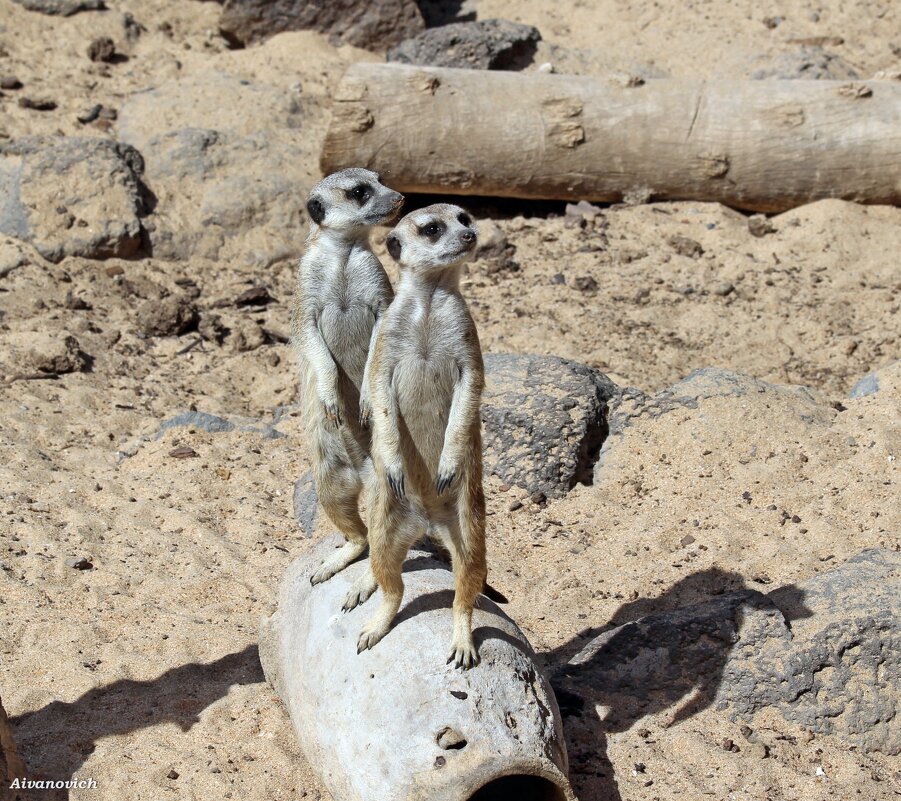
pixel 468 237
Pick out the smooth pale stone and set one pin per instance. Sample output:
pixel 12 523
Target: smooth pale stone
pixel 370 723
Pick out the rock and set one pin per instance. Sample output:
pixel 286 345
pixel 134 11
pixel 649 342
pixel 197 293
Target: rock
pixel 11 765
pixel 37 103
pixel 704 400
pixel 808 63
pixel 493 44
pixel 759 225
pixel 544 421
pixel 227 182
pixel 306 504
pixel 868 385
pixel 212 328
pixel 41 352
pixel 585 283
pixel 102 49
pixel 836 670
pixel 257 295
pixel 168 317
pixel 502 714
pixel 79 563
pixel 374 25
pixel 62 8
pixel 686 247
pixel 887 377
pixel 723 288
pixel 494 252
pixel 10 82
pixel 213 424
pixel 72 196
pixel 12 256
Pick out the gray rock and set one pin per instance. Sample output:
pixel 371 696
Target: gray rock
pixel 375 25
pixel 497 724
pixel 806 63
pixel 170 316
pixel 887 376
pixel 213 424
pixel 306 504
pixel 492 44
pixel 72 196
pixel 544 421
pixel 62 8
pixel 836 669
pixel 868 385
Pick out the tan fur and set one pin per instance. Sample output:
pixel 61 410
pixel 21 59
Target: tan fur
pixel 342 293
pixel 425 382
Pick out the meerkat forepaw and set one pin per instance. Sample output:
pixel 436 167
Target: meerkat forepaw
pixel 463 654
pixel 365 412
pixel 396 482
pixel 444 481
pixel 332 414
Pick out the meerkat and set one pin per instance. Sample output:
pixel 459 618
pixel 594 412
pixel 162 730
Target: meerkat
pixel 342 294
pixel 425 385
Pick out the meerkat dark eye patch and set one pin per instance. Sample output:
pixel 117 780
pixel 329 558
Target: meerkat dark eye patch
pixel 464 219
pixel 360 193
pixel 394 248
pixel 433 229
pixel 316 210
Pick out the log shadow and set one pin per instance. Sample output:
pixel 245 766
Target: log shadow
pixel 655 660
pixel 56 740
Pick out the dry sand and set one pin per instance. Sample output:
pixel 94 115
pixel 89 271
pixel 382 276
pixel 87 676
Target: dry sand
pixel 142 672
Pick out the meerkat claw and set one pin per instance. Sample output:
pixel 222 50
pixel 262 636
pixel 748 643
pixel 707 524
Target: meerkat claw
pixel 396 482
pixel 360 591
pixel 369 636
pixel 444 482
pixel 463 656
pixel 332 414
pixel 365 413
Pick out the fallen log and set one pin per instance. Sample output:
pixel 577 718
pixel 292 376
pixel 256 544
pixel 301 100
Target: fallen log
pixel 396 723
pixel 756 145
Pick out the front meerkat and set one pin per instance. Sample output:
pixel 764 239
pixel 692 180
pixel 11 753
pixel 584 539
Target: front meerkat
pixel 425 384
pixel 342 293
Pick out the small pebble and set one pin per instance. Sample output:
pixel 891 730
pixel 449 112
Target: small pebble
pixel 102 49
pixel 514 505
pixel 183 452
pixel 687 540
pixel 37 103
pixel 10 82
pixel 172 774
pixel 585 283
pixel 79 563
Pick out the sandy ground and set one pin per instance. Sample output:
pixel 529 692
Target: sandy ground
pixel 142 672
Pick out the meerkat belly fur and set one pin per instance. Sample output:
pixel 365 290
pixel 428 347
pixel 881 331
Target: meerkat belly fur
pixel 425 383
pixel 342 294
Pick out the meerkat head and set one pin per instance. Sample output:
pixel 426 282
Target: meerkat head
pixel 352 199
pixel 432 238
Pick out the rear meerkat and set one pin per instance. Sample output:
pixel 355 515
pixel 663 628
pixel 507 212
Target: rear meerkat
pixel 342 294
pixel 425 384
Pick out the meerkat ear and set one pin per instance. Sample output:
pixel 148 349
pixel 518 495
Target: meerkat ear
pixel 316 210
pixel 393 243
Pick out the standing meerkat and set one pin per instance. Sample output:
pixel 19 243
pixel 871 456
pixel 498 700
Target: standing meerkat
pixel 425 383
pixel 342 293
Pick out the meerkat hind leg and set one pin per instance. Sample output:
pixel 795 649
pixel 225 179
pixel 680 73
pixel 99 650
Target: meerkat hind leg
pixel 389 545
pixel 339 490
pixel 470 572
